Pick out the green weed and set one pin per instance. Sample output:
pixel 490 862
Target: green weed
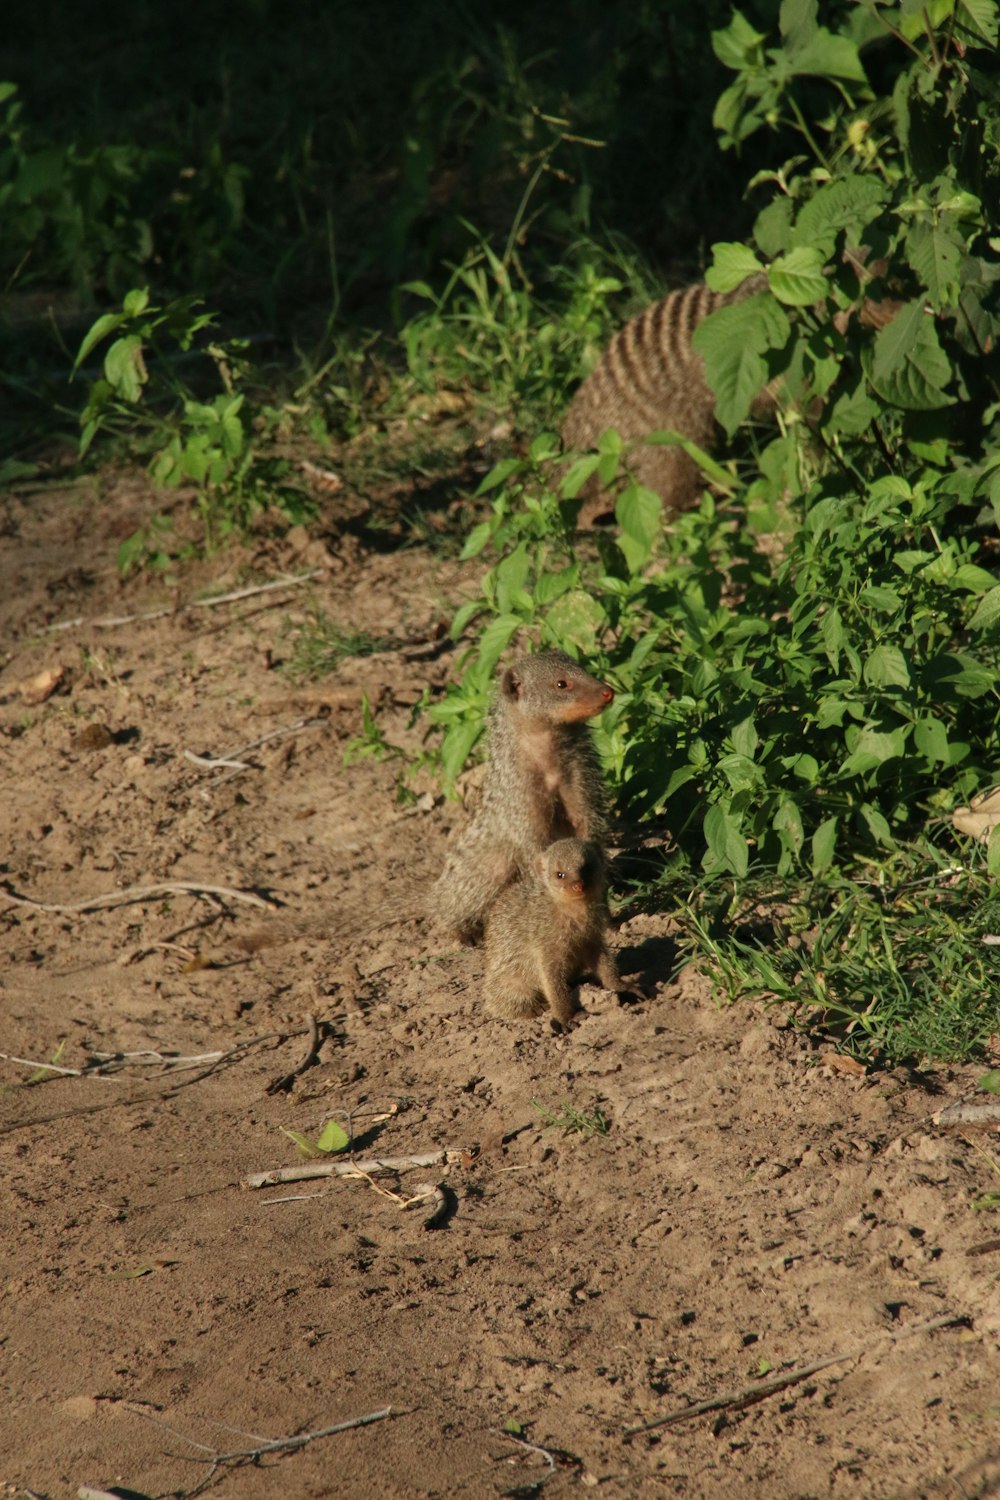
pixel 572 1121
pixel 319 645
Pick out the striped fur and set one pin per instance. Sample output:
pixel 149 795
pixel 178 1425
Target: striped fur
pixel 650 378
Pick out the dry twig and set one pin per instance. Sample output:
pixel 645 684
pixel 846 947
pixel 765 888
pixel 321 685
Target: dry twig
pixel 761 1389
pixel 317 1036
pixel 971 1112
pixel 110 622
pixel 241 1456
pixel 350 1168
pixel 135 894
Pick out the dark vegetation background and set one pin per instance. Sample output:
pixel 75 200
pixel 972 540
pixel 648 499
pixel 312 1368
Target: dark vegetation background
pixel 292 165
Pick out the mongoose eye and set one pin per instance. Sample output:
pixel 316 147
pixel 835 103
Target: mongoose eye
pixel 560 874
pixel 562 683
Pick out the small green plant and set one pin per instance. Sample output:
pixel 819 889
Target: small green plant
pixel 572 1121
pixel 331 1139
pixel 319 645
pixel 44 1072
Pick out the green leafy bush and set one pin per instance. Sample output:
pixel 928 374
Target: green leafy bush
pixel 808 667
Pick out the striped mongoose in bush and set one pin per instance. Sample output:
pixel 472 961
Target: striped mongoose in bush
pixel 650 379
pixel 543 782
pixel 546 931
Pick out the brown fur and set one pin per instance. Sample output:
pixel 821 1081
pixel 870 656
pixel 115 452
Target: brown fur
pixel 650 379
pixel 546 931
pixel 543 782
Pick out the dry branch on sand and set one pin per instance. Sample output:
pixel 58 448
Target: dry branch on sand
pixel 136 893
pixel 351 1168
pixel 749 1395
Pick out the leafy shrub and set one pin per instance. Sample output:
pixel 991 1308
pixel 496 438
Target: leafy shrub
pixel 808 664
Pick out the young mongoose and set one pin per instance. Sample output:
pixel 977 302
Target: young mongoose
pixel 649 379
pixel 543 782
pixel 547 930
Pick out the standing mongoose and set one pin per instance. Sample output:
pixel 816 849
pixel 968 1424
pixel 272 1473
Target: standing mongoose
pixel 543 782
pixel 649 379
pixel 545 931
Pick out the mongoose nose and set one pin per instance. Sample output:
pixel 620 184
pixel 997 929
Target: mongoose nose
pixel 607 694
pixel 577 887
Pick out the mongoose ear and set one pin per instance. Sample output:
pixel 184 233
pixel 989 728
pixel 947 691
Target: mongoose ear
pixel 510 684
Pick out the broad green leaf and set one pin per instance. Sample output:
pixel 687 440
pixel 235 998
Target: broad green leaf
pixel 993 851
pixel 496 638
pixel 787 823
pixel 476 540
pixel 552 586
pixel 739 44
pixel 509 577
pixel 936 256
pixel 332 1137
pixel 577 474
pixel 463 615
pixel 136 301
pixel 853 412
pixel 978 21
pixel 576 619
pixel 732 341
pixel 97 331
pixel 639 513
pixel 987 611
pixel 931 738
pixel 797 21
pixel 797 278
pixel 732 264
pixel 909 368
pixel 455 748
pixel 974 579
pixel 830 713
pixel 745 738
pixel 499 474
pixel 125 367
pixel 828 56
pixel 877 825
pixel 873 748
pixel 849 202
pixel 823 843
pixel 886 667
pixel 879 596
pixel 726 843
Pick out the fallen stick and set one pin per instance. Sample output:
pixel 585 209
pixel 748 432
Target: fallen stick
pixel 974 1112
pixel 232 757
pixel 241 1456
pixel 163 1091
pixel 284 1081
pixel 27 1062
pixel 208 764
pixel 109 622
pixel 137 893
pixel 761 1389
pixel 350 1168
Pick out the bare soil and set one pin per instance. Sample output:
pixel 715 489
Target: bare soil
pixel 750 1210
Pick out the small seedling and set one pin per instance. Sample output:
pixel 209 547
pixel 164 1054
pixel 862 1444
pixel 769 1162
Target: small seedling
pixel 331 1139
pixel 572 1121
pixel 319 645
pixel 42 1073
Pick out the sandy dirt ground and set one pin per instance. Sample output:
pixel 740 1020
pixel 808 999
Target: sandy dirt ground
pixel 750 1212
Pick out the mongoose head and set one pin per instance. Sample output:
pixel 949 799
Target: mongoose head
pixel 551 685
pixel 571 870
